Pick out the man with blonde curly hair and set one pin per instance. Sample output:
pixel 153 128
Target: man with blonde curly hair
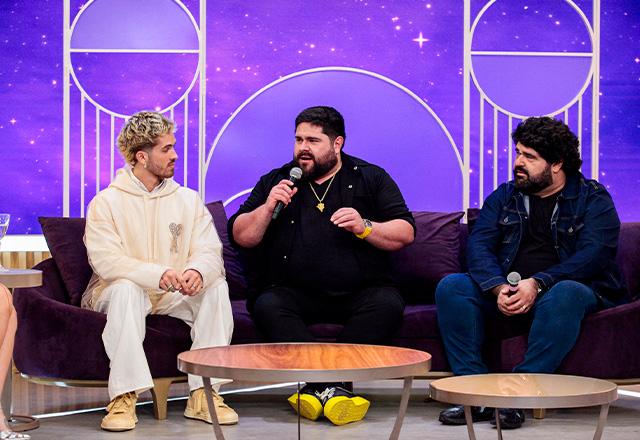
pixel 154 250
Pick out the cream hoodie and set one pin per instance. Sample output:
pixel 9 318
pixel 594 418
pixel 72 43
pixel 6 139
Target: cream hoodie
pixel 137 235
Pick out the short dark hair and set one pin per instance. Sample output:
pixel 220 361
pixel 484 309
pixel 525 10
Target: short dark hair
pixel 552 139
pixel 328 118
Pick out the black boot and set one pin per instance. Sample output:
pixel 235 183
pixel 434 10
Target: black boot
pixel 455 415
pixel 509 418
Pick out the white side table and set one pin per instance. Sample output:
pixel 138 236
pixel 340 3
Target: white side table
pixel 13 278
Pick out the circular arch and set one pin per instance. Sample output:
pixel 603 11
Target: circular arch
pixel 104 109
pixel 561 109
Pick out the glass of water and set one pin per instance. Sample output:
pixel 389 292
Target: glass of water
pixel 4 225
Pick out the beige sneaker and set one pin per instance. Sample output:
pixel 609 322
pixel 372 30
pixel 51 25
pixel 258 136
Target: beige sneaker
pixel 198 409
pixel 122 413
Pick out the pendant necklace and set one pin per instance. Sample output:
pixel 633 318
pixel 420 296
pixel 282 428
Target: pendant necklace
pixel 320 204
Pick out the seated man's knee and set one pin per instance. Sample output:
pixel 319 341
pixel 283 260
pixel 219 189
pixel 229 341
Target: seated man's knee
pixel 569 296
pixel 123 290
pixel 269 304
pixel 455 286
pixel 388 300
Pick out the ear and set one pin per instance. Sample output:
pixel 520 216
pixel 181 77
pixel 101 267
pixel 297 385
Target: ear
pixel 337 144
pixel 556 167
pixel 140 157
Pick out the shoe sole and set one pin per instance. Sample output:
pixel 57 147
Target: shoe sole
pixel 117 429
pixel 310 406
pixel 191 415
pixel 342 410
pixel 121 428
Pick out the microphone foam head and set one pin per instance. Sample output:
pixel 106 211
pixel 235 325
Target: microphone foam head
pixel 513 278
pixel 296 173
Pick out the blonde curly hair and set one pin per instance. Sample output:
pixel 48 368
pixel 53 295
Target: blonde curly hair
pixel 141 131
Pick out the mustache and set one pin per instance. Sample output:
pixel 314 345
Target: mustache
pixel 520 169
pixel 305 155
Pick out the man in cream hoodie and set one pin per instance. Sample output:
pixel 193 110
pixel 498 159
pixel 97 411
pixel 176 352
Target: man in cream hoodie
pixel 154 250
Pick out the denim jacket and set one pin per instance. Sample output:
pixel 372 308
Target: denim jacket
pixel 584 227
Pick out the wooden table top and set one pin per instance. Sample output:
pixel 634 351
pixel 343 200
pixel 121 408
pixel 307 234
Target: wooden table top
pixel 520 390
pixel 21 278
pixel 317 362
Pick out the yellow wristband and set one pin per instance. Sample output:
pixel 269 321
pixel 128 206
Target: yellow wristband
pixel 368 227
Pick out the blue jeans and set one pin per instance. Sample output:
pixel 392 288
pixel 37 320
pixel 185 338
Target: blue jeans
pixel 463 310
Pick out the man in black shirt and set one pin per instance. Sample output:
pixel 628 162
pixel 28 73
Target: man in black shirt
pixel 555 228
pixel 325 259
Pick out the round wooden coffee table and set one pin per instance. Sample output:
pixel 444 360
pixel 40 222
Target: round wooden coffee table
pixel 308 362
pixel 525 391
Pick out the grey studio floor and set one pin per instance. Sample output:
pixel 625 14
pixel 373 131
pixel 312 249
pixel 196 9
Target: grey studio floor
pixel 265 414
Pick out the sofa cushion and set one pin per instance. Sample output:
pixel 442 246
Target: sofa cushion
pixel 433 254
pixel 64 237
pixel 629 257
pixel 233 264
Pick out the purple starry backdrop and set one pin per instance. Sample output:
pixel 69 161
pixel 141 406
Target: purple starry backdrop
pixel 417 44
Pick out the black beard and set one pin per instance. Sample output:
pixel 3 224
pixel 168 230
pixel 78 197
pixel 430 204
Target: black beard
pixel 533 185
pixel 320 168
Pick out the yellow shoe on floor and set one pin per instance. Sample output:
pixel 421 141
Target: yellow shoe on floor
pixel 341 410
pixel 310 405
pixel 121 413
pixel 198 409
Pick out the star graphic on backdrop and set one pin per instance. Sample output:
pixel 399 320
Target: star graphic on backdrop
pixel 420 40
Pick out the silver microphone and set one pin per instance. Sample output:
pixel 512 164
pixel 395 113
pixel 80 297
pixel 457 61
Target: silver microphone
pixel 513 279
pixel 294 175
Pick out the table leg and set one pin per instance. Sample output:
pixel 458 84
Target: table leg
pixel 404 402
pixel 298 410
pixel 212 409
pixel 498 427
pixel 469 418
pixel 17 423
pixel 602 420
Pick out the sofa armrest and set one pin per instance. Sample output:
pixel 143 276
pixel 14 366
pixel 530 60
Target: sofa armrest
pixel 51 332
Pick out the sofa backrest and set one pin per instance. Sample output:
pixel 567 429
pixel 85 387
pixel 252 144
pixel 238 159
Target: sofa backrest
pixel 439 249
pixel 628 257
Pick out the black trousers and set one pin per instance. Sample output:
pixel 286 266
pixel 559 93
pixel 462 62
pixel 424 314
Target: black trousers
pixel 369 316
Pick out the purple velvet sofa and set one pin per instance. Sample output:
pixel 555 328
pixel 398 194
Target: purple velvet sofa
pixel 59 341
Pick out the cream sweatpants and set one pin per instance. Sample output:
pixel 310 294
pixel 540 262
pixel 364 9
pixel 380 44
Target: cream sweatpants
pixel 127 304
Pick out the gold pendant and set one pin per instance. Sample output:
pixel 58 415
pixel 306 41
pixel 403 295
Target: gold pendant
pixel 320 206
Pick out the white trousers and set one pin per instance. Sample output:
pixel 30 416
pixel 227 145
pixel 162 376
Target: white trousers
pixel 127 304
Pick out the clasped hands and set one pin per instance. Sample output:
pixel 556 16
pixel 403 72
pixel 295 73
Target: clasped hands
pixel 518 302
pixel 188 283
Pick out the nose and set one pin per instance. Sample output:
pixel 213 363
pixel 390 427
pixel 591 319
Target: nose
pixel 519 161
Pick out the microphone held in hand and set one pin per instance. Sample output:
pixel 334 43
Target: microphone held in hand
pixel 513 279
pixel 294 175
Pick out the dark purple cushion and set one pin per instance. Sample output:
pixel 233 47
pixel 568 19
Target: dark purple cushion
pixel 233 264
pixel 64 237
pixel 434 254
pixel 629 257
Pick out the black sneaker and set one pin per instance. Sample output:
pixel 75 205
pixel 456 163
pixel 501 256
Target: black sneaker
pixel 455 415
pixel 509 418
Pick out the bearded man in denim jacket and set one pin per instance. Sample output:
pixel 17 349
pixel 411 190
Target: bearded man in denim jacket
pixel 559 231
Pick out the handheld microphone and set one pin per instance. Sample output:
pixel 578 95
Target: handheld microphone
pixel 513 279
pixel 294 175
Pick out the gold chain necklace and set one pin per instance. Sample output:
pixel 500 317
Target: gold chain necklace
pixel 320 205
